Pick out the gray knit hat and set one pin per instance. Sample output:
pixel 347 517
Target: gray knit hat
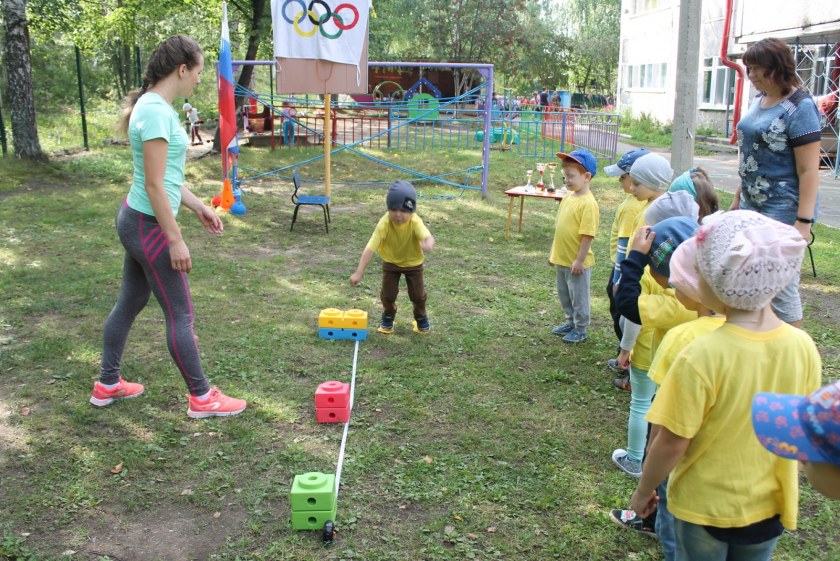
pixel 401 196
pixel 669 205
pixel 653 171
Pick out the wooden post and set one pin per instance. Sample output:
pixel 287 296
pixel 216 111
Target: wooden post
pixel 327 144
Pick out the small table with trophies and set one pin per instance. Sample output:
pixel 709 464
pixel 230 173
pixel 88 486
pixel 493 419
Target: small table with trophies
pixel 540 191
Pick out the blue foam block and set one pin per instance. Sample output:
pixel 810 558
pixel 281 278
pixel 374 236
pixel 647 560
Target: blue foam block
pixel 335 333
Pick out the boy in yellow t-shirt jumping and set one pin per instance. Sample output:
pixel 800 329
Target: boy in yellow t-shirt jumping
pixel 571 252
pixel 401 239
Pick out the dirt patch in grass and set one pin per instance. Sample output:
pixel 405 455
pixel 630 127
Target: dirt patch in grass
pixel 822 302
pixel 38 185
pixel 168 531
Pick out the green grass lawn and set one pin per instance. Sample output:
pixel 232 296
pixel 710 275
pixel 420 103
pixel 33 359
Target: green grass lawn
pixel 487 439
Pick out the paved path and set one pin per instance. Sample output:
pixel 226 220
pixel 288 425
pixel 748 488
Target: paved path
pixel 723 170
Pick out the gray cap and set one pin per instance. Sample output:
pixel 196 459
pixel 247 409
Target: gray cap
pixel 653 171
pixel 671 205
pixel 401 196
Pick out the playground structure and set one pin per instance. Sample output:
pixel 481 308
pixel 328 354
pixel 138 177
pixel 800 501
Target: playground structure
pixel 326 119
pixel 370 120
pixel 394 118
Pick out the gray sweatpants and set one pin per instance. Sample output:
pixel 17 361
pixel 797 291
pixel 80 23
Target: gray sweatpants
pixel 573 291
pixel 147 268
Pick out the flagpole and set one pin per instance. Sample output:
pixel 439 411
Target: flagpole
pixel 327 143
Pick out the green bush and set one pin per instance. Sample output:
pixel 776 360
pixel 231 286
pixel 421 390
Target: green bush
pixel 645 129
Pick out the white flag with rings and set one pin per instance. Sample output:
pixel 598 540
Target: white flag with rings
pixel 333 30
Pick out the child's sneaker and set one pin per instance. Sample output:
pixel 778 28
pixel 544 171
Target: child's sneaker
pixel 628 519
pixel 564 329
pixel 623 383
pixel 103 396
pixel 576 336
pixel 422 325
pixel 386 324
pixel 217 405
pixel 626 464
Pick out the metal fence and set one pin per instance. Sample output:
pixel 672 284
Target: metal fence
pixel 818 68
pixel 527 133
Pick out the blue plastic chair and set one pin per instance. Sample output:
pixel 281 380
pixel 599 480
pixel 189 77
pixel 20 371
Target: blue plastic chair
pixel 309 200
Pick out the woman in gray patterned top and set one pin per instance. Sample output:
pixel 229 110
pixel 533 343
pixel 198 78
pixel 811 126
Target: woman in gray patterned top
pixel 779 142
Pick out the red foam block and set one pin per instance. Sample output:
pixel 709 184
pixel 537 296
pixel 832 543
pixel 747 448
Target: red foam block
pixel 332 414
pixel 332 395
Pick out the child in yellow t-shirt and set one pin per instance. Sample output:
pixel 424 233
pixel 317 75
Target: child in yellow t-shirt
pixel 401 239
pixel 626 215
pixel 684 278
pixel 650 176
pixel 571 251
pixel 703 408
pixel 645 300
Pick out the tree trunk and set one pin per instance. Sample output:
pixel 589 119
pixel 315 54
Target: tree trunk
pixel 19 82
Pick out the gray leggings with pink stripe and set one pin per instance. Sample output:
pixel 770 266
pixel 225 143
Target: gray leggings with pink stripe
pixel 147 268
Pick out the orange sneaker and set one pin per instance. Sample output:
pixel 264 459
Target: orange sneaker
pixel 218 405
pixel 103 396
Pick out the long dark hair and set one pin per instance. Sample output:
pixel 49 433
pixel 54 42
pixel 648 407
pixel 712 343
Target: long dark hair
pixel 166 58
pixel 707 198
pixel 775 57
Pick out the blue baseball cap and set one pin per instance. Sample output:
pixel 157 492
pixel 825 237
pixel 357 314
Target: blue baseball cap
pixel 670 233
pixel 805 428
pixel 582 157
pixel 625 162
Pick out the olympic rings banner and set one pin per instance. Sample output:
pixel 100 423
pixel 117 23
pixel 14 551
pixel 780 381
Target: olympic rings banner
pixel 333 30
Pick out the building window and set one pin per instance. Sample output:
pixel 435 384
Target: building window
pixel 651 76
pixel 718 81
pixel 642 6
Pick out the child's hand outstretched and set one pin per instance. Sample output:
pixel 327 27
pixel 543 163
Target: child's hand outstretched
pixel 367 255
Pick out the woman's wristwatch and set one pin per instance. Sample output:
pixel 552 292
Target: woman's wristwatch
pixel 805 220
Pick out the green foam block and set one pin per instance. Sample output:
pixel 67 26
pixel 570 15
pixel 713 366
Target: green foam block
pixel 313 492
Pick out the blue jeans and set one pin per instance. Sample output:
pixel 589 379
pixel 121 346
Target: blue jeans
pixel 665 523
pixel 641 396
pixel 694 543
pixel 288 133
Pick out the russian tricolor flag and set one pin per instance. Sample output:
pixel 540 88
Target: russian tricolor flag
pixel 227 107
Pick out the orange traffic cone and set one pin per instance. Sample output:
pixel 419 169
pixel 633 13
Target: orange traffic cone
pixel 227 195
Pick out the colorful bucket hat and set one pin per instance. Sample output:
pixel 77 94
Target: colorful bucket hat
pixel 805 428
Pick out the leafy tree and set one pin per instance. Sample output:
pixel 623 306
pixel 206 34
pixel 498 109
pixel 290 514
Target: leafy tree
pixel 593 29
pixel 516 36
pixel 542 59
pixel 463 31
pixel 19 81
pixel 117 31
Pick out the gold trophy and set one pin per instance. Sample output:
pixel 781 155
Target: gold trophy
pixel 540 183
pixel 552 167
